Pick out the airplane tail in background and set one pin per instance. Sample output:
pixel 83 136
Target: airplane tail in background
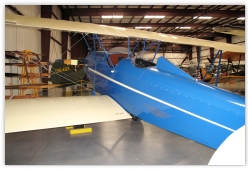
pixel 203 73
pixel 63 73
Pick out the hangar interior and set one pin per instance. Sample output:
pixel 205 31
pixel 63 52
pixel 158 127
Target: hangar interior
pixel 123 142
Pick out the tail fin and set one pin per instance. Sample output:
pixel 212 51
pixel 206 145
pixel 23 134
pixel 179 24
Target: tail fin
pixel 63 73
pixel 203 73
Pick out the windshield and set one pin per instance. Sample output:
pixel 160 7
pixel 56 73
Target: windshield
pixel 143 59
pixel 145 55
pixel 121 50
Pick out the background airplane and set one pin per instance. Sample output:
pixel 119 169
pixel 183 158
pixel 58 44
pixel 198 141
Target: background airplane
pixel 164 100
pixel 230 76
pixel 63 75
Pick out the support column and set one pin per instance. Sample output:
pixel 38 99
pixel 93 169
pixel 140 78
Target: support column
pixel 73 40
pixel 190 53
pixel 64 38
pixel 229 39
pixel 46 12
pixel 198 50
pixel 211 54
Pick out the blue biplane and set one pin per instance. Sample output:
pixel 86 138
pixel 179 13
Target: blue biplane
pixel 159 93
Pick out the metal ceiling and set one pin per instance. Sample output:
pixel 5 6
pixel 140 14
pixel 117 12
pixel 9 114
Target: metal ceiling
pixel 175 16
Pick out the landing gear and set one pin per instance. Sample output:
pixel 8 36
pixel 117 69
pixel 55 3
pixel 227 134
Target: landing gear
pixel 78 126
pixel 74 91
pixel 135 118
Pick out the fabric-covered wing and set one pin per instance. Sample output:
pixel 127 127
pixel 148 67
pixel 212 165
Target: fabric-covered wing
pixel 115 31
pixel 41 113
pixel 232 151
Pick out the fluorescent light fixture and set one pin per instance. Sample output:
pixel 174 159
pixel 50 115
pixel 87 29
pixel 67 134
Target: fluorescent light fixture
pixel 117 16
pixel 159 16
pixel 112 16
pixel 143 27
pixel 149 16
pixel 202 17
pixel 107 16
pixel 241 18
pixel 152 16
pixel 183 28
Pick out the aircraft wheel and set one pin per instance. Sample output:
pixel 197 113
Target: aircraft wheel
pixel 78 126
pixel 134 118
pixel 74 91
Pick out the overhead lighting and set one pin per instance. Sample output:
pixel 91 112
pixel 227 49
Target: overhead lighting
pixel 241 18
pixel 117 16
pixel 152 16
pixel 202 17
pixel 184 28
pixel 107 16
pixel 112 16
pixel 143 27
pixel 159 16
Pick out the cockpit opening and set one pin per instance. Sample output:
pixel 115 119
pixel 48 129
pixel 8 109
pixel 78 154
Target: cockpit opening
pixel 143 59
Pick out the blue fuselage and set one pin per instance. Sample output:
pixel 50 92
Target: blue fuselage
pixel 167 97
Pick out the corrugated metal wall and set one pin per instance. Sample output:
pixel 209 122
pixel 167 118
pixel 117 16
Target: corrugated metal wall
pixel 19 39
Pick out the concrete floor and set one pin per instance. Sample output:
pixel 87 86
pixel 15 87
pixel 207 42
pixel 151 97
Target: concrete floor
pixel 123 142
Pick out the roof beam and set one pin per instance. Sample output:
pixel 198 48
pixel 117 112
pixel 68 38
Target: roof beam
pixel 144 11
pixel 212 34
pixel 163 24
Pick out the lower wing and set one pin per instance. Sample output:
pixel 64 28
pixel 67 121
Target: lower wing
pixel 43 113
pixel 232 151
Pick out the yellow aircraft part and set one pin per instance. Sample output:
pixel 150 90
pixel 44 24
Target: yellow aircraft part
pixel 69 127
pixel 80 130
pixel 203 72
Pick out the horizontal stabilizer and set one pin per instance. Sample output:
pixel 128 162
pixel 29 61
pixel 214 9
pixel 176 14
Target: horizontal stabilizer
pixel 52 112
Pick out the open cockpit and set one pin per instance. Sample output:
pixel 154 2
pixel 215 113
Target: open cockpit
pixel 141 60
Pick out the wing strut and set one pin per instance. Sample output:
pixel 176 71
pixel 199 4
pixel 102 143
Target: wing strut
pixel 211 64
pixel 199 60
pixel 156 51
pixel 136 46
pixel 95 37
pixel 218 69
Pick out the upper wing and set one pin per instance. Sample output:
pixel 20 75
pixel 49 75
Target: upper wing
pixel 114 31
pixel 41 113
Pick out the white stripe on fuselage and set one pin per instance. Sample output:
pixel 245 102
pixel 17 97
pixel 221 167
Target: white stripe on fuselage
pixel 161 101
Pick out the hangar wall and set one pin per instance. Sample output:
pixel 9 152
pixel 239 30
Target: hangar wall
pixel 19 39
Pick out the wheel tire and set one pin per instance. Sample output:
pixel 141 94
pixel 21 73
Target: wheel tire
pixel 134 118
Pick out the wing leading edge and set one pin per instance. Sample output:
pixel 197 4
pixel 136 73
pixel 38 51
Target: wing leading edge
pixel 80 27
pixel 41 113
